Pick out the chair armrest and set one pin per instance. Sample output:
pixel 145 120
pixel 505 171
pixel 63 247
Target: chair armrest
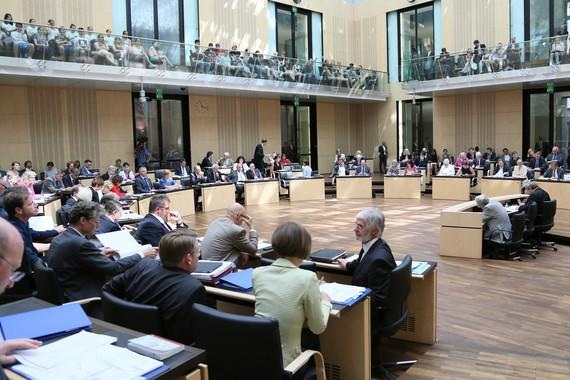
pixel 84 301
pixel 302 359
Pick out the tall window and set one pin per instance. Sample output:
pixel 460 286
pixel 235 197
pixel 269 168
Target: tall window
pixel 415 28
pixel 544 19
pixel 416 125
pixel 299 132
pixel 161 127
pixel 163 20
pixel 293 31
pixel 547 121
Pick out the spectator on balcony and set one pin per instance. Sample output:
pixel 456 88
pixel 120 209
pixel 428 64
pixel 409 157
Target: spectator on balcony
pixel 119 50
pixel 309 73
pixel 445 63
pixel 513 55
pixel 496 59
pixel 157 56
pixel 557 51
pixel 31 29
pixel 22 48
pixel 126 39
pixel 101 52
pixel 91 35
pixel 42 49
pixel 53 31
pixel 109 38
pixel 7 25
pixel 470 65
pixel 64 45
pixel 81 46
pixel 198 59
pixel 428 62
pixel 479 50
pixel 137 57
pixel 72 34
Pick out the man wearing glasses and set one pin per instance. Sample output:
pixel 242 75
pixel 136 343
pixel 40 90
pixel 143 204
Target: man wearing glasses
pixel 157 222
pixel 11 252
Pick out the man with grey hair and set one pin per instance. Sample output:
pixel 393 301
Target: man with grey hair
pixel 497 225
pixel 375 261
pixel 227 240
pixel 537 195
pixel 53 184
pixel 226 161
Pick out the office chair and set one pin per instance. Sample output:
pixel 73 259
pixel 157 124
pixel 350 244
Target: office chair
pixel 143 318
pixel 38 185
pixel 508 250
pixel 61 217
pixel 395 313
pixel 545 225
pixel 245 348
pixel 158 174
pixel 529 230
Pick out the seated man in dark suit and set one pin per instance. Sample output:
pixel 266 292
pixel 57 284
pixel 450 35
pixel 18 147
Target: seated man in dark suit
pixel 363 169
pixel 155 224
pixel 53 184
pixel 80 266
pixel 85 169
pixel 253 172
pixel 181 169
pixel 142 184
pixel 537 162
pixel 537 195
pixel 166 284
pixel 554 171
pixel 374 265
pixel 555 155
pixel 237 177
pixel 70 179
pixel 214 175
pixel 108 219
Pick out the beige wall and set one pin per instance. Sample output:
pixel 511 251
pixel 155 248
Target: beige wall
pixel 233 124
pixel 483 119
pixel 96 13
pixel 58 124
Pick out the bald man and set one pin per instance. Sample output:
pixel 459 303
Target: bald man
pixel 11 252
pixel 227 240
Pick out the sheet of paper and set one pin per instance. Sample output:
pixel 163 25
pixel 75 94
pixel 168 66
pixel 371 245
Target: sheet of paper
pixel 341 293
pixel 41 223
pixel 121 241
pixel 262 244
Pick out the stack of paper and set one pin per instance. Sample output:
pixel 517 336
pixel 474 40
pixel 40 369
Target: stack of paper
pixel 123 242
pixel 83 356
pixel 210 272
pixel 41 223
pixel 342 294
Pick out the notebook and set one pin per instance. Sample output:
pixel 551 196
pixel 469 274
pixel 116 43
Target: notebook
pixel 327 255
pixel 45 323
pixel 240 281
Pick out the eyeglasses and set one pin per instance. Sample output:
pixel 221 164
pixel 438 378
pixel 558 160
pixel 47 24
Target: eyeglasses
pixel 16 275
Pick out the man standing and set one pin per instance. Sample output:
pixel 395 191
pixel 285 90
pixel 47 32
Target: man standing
pixel 375 262
pixel 259 155
pixel 383 156
pixel 80 266
pixel 166 284
pixel 143 184
pixel 155 223
pixel 227 240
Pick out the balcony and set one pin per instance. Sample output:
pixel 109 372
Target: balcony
pixel 517 65
pixel 52 56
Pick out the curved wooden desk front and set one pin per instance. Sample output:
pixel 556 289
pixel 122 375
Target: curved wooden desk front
pixel 306 189
pixel 461 232
pixel 261 191
pixel 345 344
pixel 456 188
pixel 354 186
pixel 407 186
pixel 497 186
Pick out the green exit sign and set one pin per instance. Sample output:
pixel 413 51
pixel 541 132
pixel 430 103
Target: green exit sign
pixel 296 101
pixel 159 94
pixel 294 9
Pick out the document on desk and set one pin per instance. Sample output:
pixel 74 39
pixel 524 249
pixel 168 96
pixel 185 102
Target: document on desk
pixel 418 267
pixel 512 209
pixel 123 242
pixel 263 245
pixel 343 294
pixel 41 223
pixel 83 356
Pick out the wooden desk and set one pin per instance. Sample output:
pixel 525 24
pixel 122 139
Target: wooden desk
pixel 345 344
pixel 451 187
pixel 50 206
pixel 352 187
pixel 180 364
pixel 291 173
pixel 262 191
pixel 306 189
pixel 181 200
pixel 480 174
pixel 496 186
pixel 421 326
pixel 461 232
pixel 216 196
pixel 559 190
pixel 143 204
pixel 407 187
pixel 423 179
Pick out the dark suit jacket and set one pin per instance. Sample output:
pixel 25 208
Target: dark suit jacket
pixel 69 205
pixel 211 178
pixel 68 181
pixel 506 170
pixel 80 267
pixel 196 180
pixel 172 290
pixel 374 272
pixel 107 225
pixel 549 173
pixel 207 163
pixel 558 158
pixel 142 185
pixel 337 167
pixel 541 164
pixel 178 170
pixel 249 174
pixel 150 230
pixel 359 170
pixel 539 196
pixel 94 195
pixel 480 163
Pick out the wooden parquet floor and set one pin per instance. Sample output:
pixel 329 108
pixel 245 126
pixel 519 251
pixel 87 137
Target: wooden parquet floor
pixel 496 319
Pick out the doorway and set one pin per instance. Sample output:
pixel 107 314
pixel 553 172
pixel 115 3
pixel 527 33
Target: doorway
pixel 299 132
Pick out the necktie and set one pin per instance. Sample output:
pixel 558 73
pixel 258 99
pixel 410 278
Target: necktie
pixel 167 227
pixel 360 254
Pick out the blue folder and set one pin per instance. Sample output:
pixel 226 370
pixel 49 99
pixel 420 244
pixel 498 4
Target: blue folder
pixel 45 323
pixel 240 281
pixel 354 300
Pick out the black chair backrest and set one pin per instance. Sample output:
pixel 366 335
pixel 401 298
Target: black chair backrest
pixel 548 212
pixel 396 311
pixel 158 174
pixel 307 265
pixel 238 347
pixel 48 287
pixel 531 217
pixel 38 185
pixel 61 217
pixel 186 182
pixel 143 318
pixel 518 221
